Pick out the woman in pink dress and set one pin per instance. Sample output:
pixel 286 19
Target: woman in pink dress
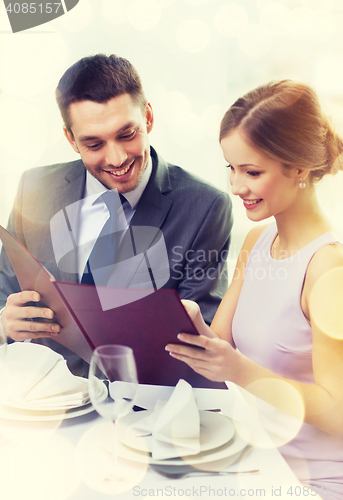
pixel 273 328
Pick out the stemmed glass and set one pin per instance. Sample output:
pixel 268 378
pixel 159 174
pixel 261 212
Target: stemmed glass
pixel 115 367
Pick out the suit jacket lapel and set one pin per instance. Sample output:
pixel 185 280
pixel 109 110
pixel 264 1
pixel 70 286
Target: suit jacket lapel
pixel 73 185
pixel 66 206
pixel 153 206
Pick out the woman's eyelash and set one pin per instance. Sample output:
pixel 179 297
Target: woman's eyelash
pixel 252 173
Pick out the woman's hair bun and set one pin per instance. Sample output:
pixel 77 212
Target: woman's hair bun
pixel 284 120
pixel 334 147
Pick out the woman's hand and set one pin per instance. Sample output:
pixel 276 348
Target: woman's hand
pixel 215 361
pixel 193 311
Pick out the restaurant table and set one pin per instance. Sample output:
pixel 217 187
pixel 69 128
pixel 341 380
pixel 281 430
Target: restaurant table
pixel 41 460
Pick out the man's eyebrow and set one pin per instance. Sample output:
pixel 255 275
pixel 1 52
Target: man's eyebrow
pixel 125 127
pixel 85 138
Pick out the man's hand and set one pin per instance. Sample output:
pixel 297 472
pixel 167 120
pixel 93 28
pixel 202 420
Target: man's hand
pixel 17 318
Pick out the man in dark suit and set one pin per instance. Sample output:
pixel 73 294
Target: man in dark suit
pixel 107 120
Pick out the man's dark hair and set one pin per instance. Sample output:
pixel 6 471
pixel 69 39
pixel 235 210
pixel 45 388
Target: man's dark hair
pixel 98 78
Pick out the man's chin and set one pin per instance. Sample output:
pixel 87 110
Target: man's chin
pixel 121 186
pixel 123 183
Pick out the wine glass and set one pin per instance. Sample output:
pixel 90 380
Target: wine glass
pixel 112 388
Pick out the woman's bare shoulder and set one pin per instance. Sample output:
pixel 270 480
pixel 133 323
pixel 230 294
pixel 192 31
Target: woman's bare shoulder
pixel 324 260
pixel 249 243
pixel 253 235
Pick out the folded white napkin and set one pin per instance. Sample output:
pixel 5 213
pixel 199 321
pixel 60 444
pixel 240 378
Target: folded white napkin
pixel 175 427
pixel 35 375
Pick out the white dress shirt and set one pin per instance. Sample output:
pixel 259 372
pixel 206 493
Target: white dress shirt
pixel 94 215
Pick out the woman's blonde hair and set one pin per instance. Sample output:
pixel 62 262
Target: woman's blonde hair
pixel 285 121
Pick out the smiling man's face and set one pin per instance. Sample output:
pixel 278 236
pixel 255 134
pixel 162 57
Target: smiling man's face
pixel 112 139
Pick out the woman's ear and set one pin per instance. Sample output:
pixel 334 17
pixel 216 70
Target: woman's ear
pixel 302 174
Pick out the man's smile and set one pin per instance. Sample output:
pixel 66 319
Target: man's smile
pixel 121 173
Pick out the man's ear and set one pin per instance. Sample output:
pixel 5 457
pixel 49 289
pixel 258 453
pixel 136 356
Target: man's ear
pixel 149 116
pixel 70 138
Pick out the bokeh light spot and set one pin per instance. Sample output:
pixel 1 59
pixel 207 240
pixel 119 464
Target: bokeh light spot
pixel 279 407
pixel 93 456
pixel 328 74
pixel 193 35
pixel 26 432
pixel 23 124
pixel 211 118
pixel 144 14
pixel 231 20
pixel 302 23
pixel 256 42
pixel 79 18
pixel 273 17
pixel 31 64
pixel 186 126
pixel 197 2
pixel 319 4
pixel 114 11
pixel 47 470
pixel 174 103
pixel 166 3
pixel 188 129
pixel 326 303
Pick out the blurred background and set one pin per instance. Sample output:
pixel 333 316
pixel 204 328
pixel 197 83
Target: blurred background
pixel 195 57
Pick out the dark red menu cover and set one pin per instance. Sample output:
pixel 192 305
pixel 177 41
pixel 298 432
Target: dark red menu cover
pixel 146 325
pixel 33 276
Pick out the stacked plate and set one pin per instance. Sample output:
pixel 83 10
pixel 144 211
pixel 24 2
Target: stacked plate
pixel 52 408
pixel 36 384
pixel 222 440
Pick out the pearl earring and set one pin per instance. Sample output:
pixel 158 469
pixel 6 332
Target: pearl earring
pixel 302 184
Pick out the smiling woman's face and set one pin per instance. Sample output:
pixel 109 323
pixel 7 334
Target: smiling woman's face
pixel 257 179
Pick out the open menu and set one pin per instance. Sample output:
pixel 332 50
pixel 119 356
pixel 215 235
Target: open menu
pixel 146 325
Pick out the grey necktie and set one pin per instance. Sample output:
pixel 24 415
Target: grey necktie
pixel 103 254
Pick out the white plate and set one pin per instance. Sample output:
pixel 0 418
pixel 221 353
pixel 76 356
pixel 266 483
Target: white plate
pixel 224 455
pixel 215 430
pixel 57 407
pixel 10 413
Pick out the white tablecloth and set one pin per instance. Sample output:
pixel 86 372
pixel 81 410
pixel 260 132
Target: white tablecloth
pixel 37 460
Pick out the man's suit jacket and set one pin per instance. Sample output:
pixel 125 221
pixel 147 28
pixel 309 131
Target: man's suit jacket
pixel 194 217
